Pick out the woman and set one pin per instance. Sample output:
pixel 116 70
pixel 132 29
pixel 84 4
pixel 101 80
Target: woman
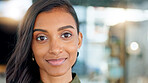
pixel 48 41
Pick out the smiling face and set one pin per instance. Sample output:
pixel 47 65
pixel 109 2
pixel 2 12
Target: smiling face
pixel 55 41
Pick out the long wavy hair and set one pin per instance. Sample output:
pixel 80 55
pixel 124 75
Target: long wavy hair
pixel 20 67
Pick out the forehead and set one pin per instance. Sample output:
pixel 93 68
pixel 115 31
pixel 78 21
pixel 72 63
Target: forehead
pixel 56 17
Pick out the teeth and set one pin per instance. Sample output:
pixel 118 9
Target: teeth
pixel 56 62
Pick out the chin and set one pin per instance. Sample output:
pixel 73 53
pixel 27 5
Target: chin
pixel 58 72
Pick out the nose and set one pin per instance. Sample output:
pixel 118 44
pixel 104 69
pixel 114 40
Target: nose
pixel 55 48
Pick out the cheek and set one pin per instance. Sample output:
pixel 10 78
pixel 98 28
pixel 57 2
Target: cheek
pixel 39 51
pixel 73 56
pixel 71 49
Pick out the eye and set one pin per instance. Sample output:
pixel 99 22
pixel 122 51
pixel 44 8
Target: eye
pixel 66 35
pixel 41 38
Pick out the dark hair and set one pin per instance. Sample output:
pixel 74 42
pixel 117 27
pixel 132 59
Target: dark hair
pixel 21 68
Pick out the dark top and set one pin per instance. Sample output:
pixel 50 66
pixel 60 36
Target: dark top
pixel 75 78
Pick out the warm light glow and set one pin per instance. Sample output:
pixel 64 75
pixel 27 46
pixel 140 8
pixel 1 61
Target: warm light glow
pixel 15 8
pixel 134 46
pixel 112 16
pixel 134 15
pixel 14 13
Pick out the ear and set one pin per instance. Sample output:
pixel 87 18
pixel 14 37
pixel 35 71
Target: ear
pixel 80 39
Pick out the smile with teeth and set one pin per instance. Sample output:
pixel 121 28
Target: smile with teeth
pixel 56 62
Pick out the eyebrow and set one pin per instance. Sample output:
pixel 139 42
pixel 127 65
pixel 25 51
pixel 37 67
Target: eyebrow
pixel 39 30
pixel 65 27
pixel 61 28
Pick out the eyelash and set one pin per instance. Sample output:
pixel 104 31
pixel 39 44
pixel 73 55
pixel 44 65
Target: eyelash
pixel 66 35
pixel 43 38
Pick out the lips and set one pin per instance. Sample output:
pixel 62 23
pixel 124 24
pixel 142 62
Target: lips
pixel 56 62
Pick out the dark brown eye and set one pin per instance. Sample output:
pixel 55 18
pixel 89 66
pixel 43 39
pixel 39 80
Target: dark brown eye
pixel 41 38
pixel 66 35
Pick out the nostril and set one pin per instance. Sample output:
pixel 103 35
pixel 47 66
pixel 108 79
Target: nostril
pixel 61 50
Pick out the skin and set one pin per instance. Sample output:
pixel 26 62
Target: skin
pixel 55 44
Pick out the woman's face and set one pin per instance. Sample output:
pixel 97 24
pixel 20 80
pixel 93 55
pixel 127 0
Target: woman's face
pixel 55 41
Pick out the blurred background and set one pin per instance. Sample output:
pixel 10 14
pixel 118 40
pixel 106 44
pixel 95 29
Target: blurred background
pixel 115 44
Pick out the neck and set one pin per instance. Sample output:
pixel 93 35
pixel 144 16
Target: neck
pixel 65 78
